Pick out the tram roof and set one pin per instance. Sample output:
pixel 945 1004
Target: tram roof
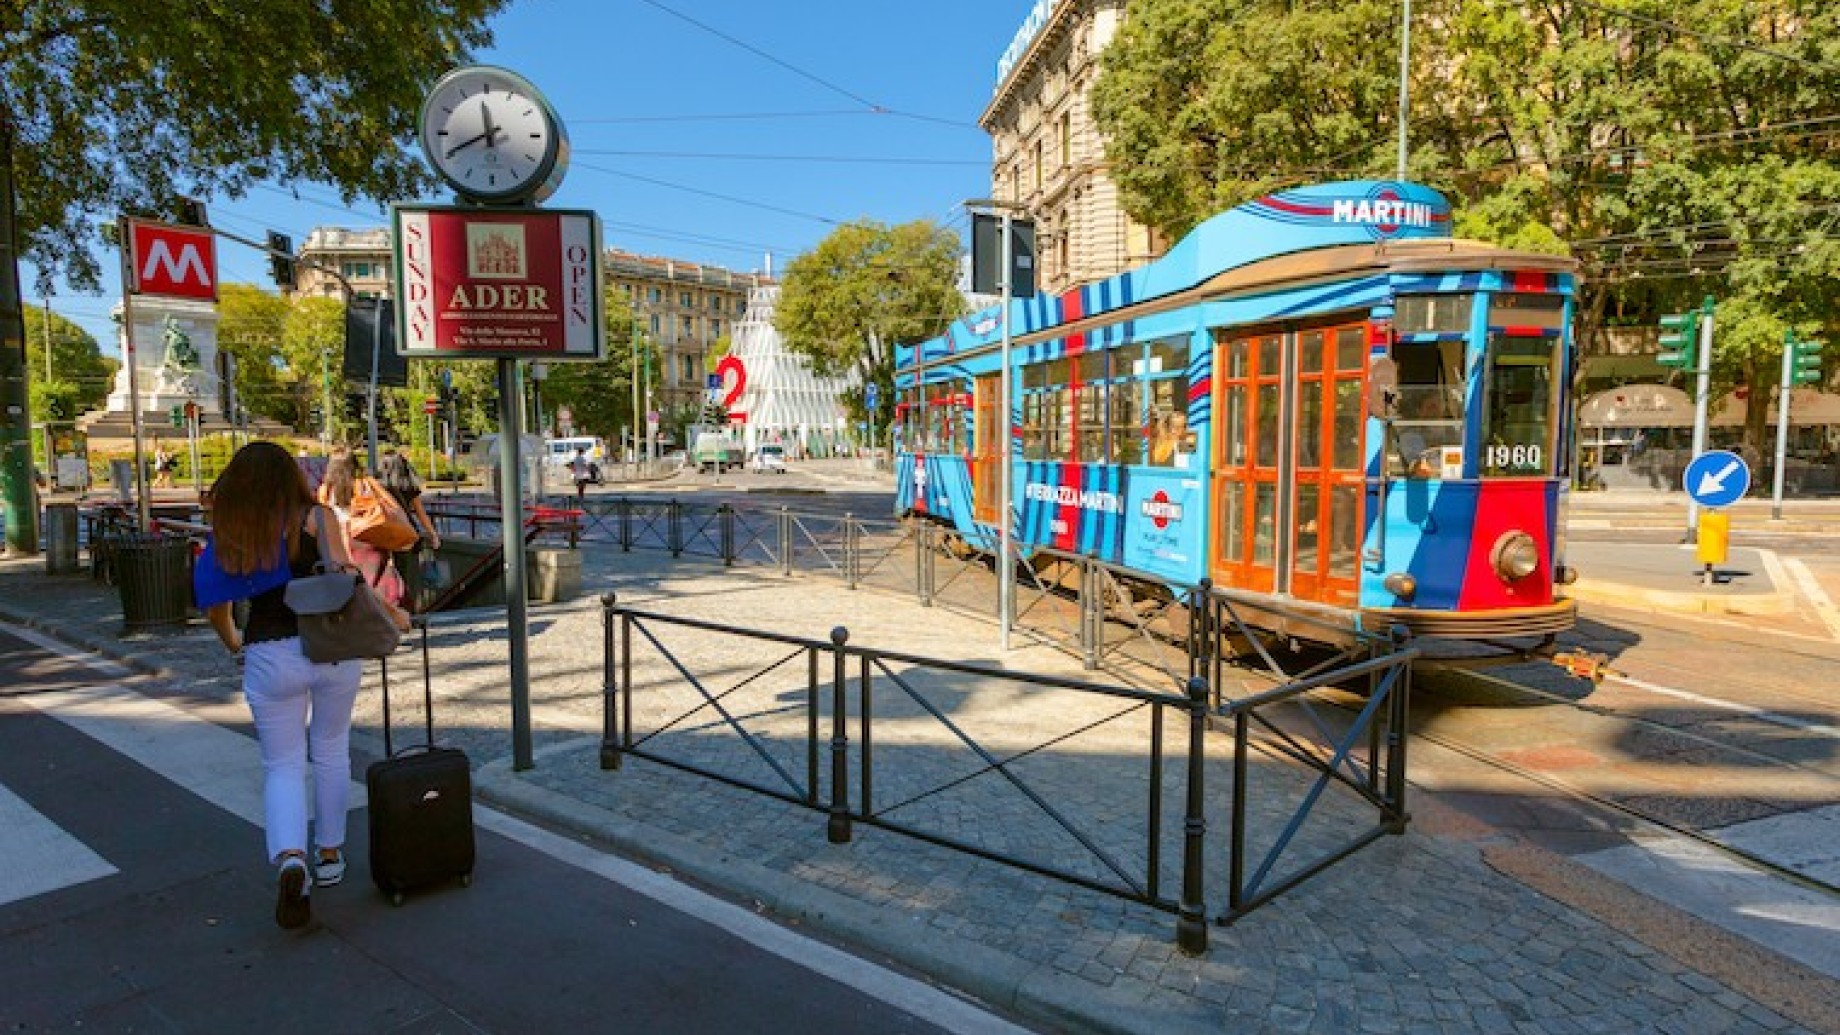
pixel 1326 231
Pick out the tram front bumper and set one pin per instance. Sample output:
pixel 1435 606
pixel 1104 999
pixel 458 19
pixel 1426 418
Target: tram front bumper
pixel 1545 620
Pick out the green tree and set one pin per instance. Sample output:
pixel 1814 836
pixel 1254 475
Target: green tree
pixel 80 377
pixel 110 106
pixel 1673 163
pixel 599 395
pixel 313 349
pixel 249 327
pixel 865 288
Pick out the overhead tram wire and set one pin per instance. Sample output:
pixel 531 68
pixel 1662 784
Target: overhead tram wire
pixel 871 106
pixel 828 221
pixel 1705 37
pixel 816 159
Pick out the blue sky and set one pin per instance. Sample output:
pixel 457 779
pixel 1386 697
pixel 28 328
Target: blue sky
pixel 664 98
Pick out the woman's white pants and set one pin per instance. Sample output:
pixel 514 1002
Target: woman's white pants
pixel 302 712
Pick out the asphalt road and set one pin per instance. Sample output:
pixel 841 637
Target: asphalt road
pixel 133 896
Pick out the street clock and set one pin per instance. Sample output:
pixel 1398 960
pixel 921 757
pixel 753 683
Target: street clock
pixel 493 137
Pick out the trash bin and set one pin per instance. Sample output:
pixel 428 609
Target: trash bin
pixel 61 539
pixel 154 575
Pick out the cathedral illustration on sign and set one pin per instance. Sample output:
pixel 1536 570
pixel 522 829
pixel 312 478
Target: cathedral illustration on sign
pixel 495 251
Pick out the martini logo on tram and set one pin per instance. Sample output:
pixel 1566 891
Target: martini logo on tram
pixel 1161 510
pixel 1384 213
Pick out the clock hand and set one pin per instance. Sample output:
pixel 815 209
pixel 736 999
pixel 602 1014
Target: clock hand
pixel 491 134
pixel 464 144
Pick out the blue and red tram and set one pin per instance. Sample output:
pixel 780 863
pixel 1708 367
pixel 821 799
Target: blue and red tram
pixel 1318 399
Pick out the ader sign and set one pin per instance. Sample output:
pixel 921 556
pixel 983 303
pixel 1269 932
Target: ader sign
pixel 498 284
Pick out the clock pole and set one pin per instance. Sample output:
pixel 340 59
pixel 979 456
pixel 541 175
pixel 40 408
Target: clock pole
pixel 463 124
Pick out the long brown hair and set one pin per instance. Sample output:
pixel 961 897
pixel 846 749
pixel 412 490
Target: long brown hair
pixel 342 474
pixel 257 502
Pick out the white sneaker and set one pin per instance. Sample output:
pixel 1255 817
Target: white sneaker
pixel 292 907
pixel 327 872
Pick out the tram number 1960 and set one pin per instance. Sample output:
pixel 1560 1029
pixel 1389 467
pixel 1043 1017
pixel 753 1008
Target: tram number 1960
pixel 1512 458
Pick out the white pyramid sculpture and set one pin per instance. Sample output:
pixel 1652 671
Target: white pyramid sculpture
pixel 784 402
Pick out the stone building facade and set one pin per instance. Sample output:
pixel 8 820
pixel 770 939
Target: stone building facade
pixel 1047 155
pixel 361 256
pixel 683 308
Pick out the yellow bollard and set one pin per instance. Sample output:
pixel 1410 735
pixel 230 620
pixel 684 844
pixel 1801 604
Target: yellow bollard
pixel 1714 540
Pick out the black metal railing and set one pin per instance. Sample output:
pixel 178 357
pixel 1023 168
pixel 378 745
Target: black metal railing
pixel 780 749
pixel 1365 754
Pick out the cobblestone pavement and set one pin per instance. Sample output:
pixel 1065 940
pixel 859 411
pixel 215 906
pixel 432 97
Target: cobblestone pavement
pixel 1446 928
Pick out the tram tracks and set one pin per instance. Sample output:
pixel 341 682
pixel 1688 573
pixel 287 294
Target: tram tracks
pixel 1814 785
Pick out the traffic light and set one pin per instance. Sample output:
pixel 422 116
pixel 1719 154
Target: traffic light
pixel 177 416
pixel 1804 360
pixel 281 266
pixel 1679 341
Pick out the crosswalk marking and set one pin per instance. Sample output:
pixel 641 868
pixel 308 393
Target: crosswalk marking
pixel 37 856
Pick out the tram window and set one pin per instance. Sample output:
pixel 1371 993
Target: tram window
pixel 1342 514
pixel 1267 408
pixel 1034 420
pixel 1347 445
pixel 1127 425
pixel 1430 406
pixel 1517 407
pixel 1058 423
pixel 1432 314
pixel 1089 403
pixel 1544 311
pixel 1310 352
pixel 1350 349
pixel 1264 523
pixel 1309 423
pixel 1233 426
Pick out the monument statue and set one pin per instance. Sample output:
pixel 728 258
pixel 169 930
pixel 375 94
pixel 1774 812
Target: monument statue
pixel 179 364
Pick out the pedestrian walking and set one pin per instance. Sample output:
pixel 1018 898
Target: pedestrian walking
pixel 583 472
pixel 378 566
pixel 267 530
pixel 164 464
pixel 397 474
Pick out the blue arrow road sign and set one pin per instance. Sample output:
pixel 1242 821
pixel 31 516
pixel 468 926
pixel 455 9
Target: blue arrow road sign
pixel 1717 478
pixel 869 394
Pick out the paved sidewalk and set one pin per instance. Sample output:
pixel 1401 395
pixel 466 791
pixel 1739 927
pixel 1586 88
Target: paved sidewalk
pixel 1452 926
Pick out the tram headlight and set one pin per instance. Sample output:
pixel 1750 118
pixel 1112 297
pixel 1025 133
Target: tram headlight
pixel 1515 556
pixel 1402 585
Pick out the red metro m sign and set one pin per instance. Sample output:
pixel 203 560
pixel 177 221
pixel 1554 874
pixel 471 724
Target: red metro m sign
pixel 175 261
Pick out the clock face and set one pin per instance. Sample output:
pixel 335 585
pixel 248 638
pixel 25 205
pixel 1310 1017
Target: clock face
pixel 492 136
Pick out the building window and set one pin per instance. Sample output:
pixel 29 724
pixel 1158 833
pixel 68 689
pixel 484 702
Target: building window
pixel 715 328
pixel 655 296
pixel 1066 139
pixel 686 369
pixel 654 324
pixel 686 326
pixel 1038 165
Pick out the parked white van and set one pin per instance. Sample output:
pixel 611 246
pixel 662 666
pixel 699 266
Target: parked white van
pixel 562 454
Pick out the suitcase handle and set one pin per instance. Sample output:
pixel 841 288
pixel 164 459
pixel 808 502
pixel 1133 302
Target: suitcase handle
pixel 427 698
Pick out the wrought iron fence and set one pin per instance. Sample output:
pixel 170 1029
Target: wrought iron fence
pixel 797 747
pixel 862 736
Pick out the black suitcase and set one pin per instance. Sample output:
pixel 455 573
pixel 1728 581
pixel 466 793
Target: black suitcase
pixel 421 806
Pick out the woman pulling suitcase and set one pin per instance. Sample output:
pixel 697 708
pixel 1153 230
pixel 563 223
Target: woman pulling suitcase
pixel 266 530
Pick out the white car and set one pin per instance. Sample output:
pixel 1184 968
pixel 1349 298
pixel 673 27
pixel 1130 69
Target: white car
pixel 770 458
